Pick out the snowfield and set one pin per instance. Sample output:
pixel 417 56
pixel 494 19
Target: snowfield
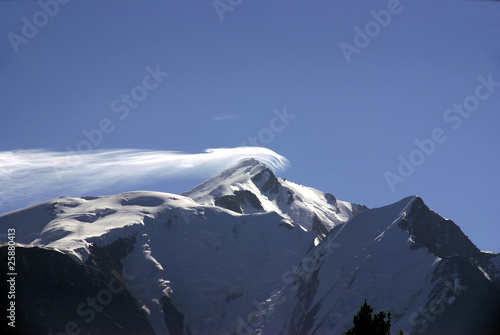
pixel 246 252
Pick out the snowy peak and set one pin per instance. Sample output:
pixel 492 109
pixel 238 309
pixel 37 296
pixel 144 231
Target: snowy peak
pixel 224 258
pixel 184 263
pixel 251 187
pixel 249 162
pixel 374 256
pixel 226 189
pixel 439 236
pixel 226 182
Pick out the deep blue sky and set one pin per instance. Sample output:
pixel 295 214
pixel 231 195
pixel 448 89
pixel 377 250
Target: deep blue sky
pixel 352 119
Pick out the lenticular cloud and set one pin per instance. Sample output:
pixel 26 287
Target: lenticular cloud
pixel 37 175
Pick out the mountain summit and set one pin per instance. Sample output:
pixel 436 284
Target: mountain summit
pixel 251 187
pixel 245 252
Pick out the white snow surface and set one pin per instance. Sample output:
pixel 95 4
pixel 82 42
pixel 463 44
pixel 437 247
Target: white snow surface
pixel 369 258
pixel 307 202
pixel 213 263
pixel 218 266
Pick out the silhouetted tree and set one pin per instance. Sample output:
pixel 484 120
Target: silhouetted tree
pixel 365 324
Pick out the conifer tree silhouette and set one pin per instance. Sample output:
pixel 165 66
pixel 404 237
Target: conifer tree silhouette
pixel 365 324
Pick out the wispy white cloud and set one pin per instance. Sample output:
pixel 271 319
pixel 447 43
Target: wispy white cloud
pixel 223 117
pixel 34 174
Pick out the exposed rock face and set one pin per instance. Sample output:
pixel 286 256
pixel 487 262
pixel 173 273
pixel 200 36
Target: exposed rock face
pixel 269 181
pixel 439 236
pixel 57 295
pixel 245 253
pixel 452 294
pixel 235 201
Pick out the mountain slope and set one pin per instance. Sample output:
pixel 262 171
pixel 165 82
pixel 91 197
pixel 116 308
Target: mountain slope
pixel 431 283
pixel 56 295
pixel 191 260
pixel 251 187
pixel 246 252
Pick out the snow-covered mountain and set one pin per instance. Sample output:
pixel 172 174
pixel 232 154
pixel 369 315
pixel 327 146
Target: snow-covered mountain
pixel 251 187
pixel 244 253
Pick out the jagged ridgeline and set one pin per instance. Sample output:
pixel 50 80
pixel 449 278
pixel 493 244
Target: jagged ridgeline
pixel 245 252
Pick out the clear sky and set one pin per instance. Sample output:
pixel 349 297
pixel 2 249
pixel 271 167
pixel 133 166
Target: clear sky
pixel 371 101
